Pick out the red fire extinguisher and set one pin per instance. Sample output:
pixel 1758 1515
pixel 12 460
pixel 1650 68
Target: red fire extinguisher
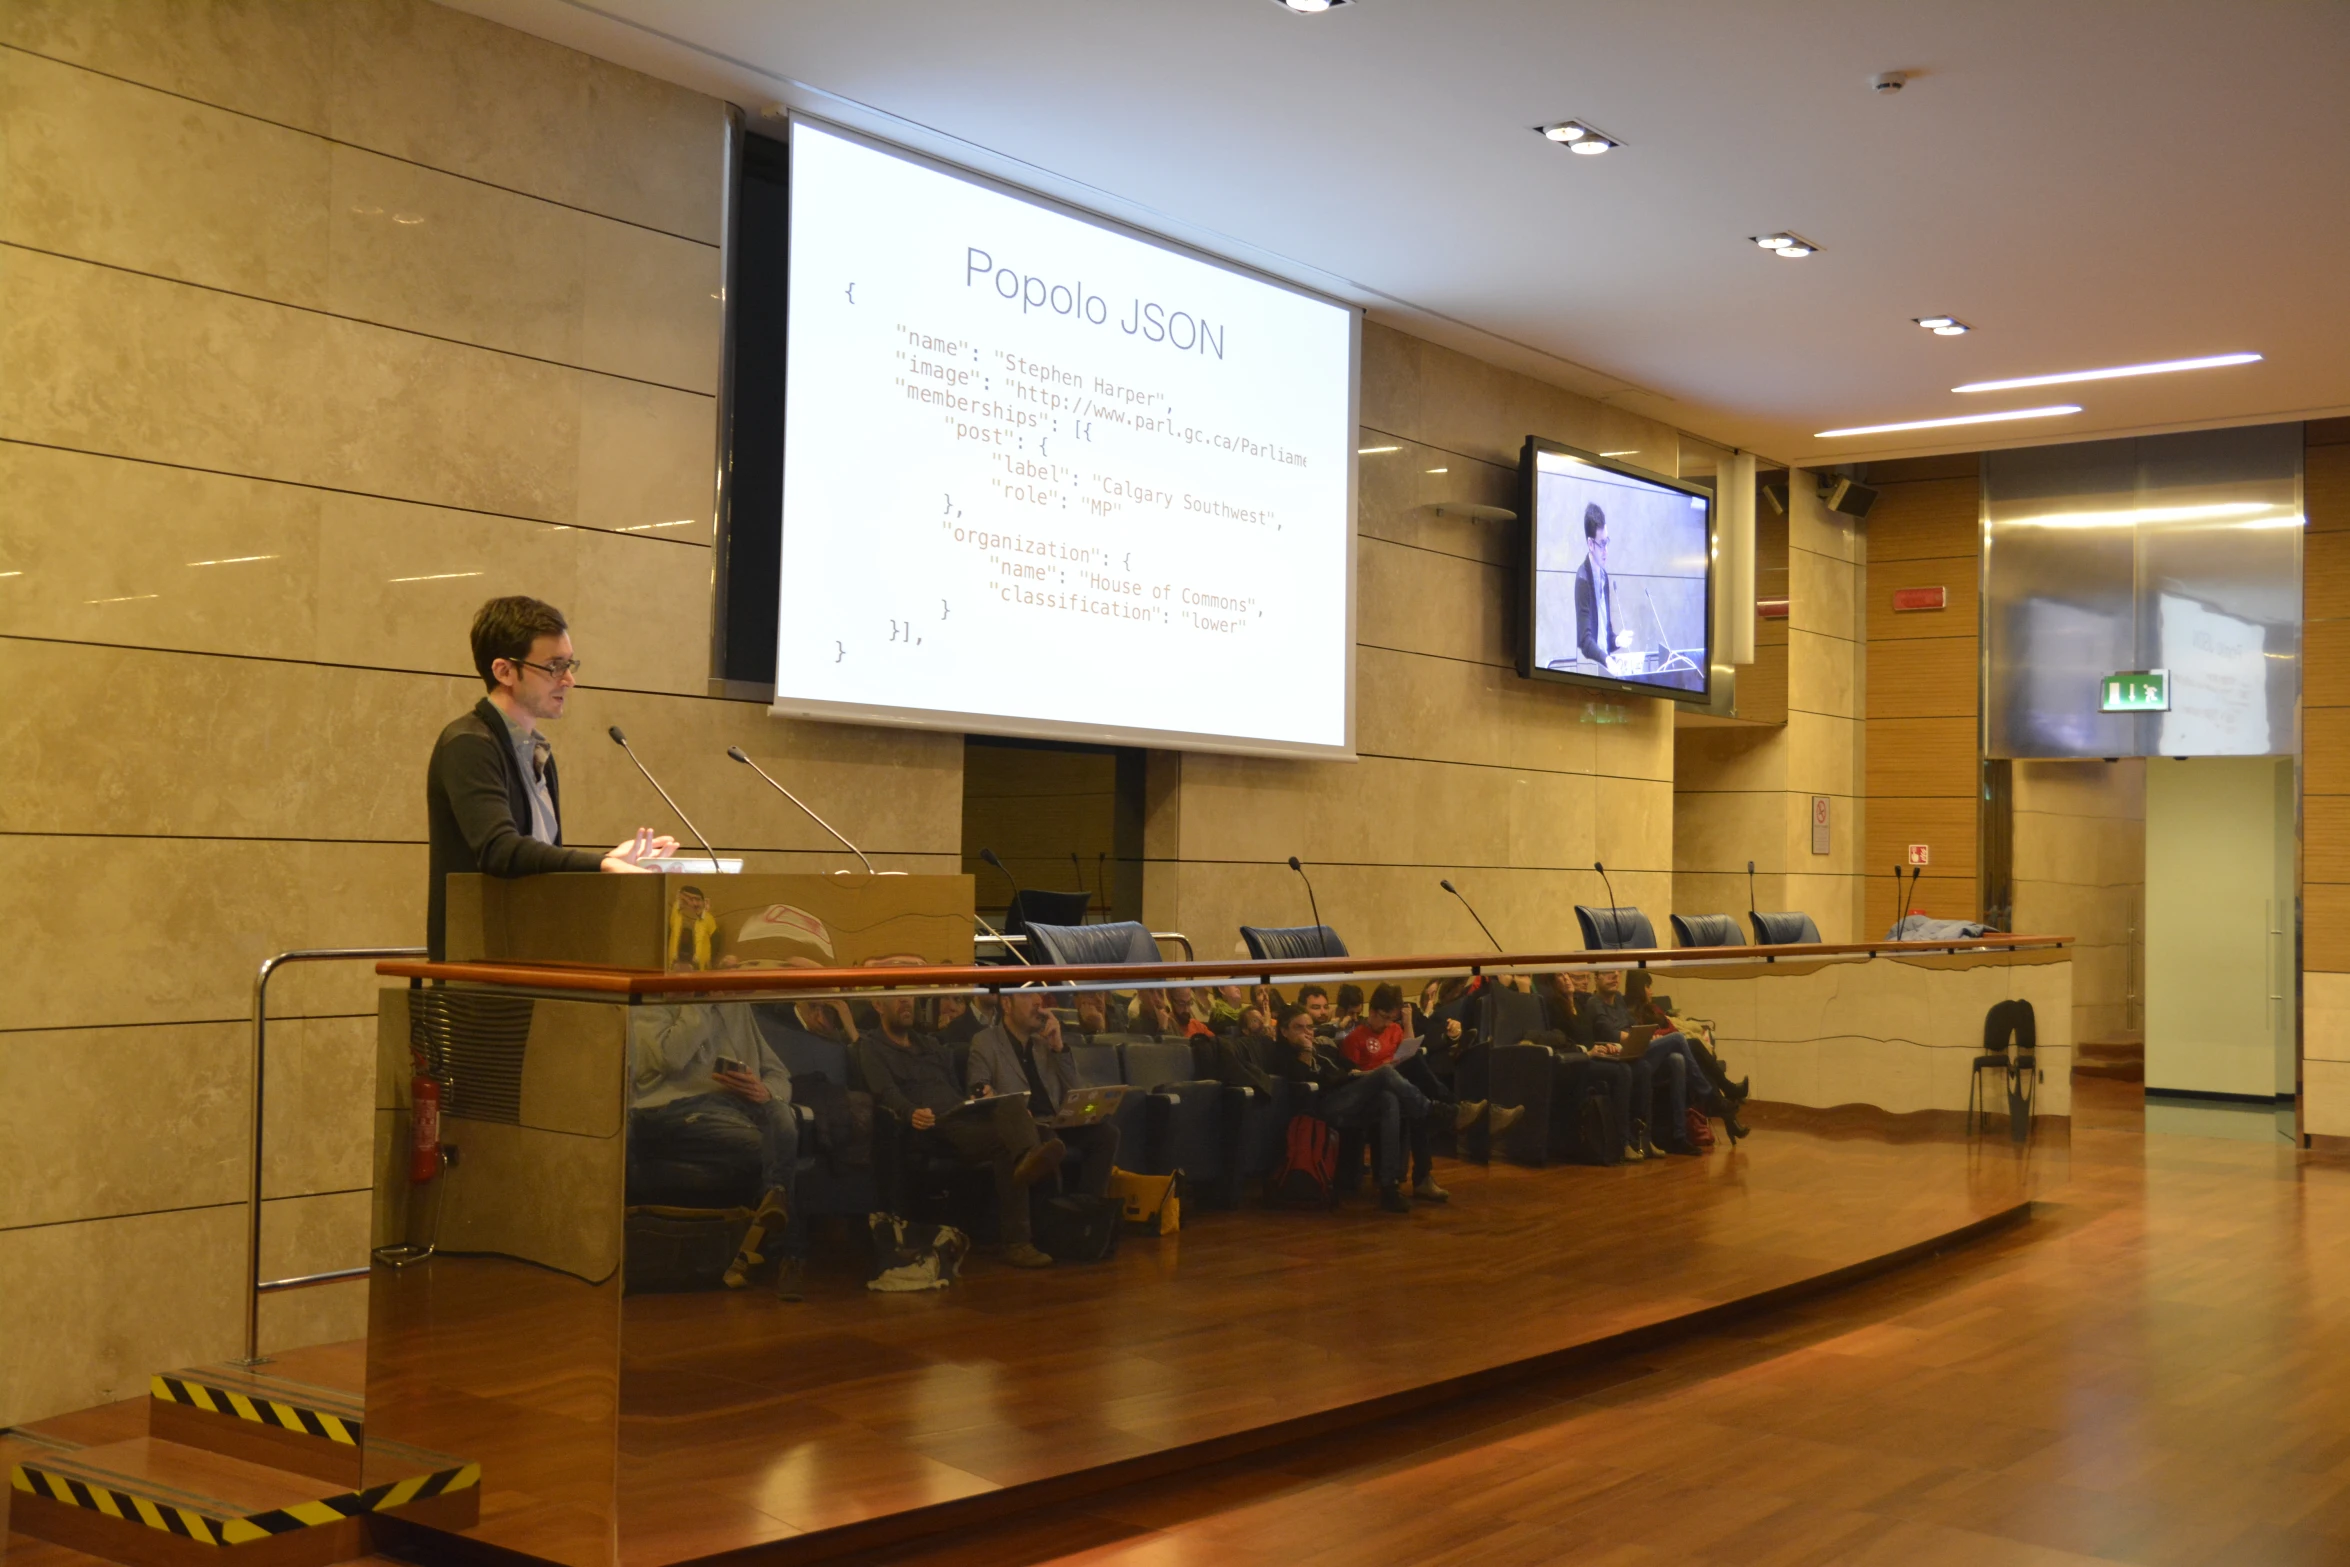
pixel 424 1147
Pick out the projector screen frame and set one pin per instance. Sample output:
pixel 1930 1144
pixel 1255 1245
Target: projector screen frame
pixel 958 722
pixel 1529 585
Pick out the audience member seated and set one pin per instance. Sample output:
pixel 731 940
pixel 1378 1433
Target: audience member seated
pixel 1386 1038
pixel 1025 1057
pixel 1184 1002
pixel 1632 1086
pixel 912 1076
pixel 1153 1017
pixel 1316 1002
pixel 1224 1004
pixel 706 1090
pixel 827 1020
pixel 1639 998
pixel 1379 1104
pixel 1611 1019
pixel 959 1019
pixel 1099 1012
pixel 1349 1010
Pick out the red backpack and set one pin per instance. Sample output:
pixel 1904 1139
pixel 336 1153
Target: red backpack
pixel 1308 1171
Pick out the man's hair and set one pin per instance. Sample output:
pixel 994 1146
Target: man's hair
pixel 506 628
pixel 1304 991
pixel 1288 1015
pixel 1350 995
pixel 1593 520
pixel 1387 998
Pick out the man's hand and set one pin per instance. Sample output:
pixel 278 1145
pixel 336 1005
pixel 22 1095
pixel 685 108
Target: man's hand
pixel 1623 641
pixel 924 1120
pixel 1049 1033
pixel 1607 1050
pixel 1452 1030
pixel 646 845
pixel 743 1085
pixel 984 1091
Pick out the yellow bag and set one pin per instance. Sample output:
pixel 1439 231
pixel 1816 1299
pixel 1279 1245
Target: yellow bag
pixel 1154 1202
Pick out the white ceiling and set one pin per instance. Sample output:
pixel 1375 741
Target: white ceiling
pixel 2088 182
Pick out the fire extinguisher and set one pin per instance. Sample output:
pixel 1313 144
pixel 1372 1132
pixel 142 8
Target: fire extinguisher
pixel 424 1146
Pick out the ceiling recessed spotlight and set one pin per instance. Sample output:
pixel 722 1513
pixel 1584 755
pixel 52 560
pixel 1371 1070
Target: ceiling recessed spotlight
pixel 1576 136
pixel 1943 424
pixel 1310 7
pixel 2115 373
pixel 1943 326
pixel 1793 246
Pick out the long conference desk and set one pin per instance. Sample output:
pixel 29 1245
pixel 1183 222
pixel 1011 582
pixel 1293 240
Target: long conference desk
pixel 497 1322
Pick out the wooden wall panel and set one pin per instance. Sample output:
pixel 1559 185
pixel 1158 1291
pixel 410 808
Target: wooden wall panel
pixel 1931 520
pixel 1945 824
pixel 2325 698
pixel 1921 677
pixel 1960 575
pixel 1922 756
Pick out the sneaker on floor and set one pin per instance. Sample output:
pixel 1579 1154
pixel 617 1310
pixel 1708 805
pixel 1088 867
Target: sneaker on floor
pixel 1020 1254
pixel 1502 1118
pixel 1391 1200
pixel 1037 1163
pixel 1429 1191
pixel 1632 1153
pixel 1464 1114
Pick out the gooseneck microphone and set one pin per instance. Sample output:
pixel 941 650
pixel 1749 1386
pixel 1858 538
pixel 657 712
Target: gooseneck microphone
pixel 736 752
pixel 1321 942
pixel 1473 914
pixel 1914 873
pixel 621 741
pixel 990 857
pixel 1615 925
pixel 1750 890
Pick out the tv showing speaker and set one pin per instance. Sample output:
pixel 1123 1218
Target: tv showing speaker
pixel 1618 575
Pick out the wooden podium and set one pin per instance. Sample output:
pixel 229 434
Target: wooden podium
pixel 496 1321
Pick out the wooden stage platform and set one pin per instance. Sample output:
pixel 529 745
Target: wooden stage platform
pixel 854 1419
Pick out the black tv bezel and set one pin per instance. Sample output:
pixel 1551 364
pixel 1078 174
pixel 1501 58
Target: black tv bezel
pixel 1527 668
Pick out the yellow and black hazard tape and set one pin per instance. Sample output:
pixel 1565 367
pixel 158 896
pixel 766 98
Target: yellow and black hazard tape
pixel 212 1528
pixel 297 1418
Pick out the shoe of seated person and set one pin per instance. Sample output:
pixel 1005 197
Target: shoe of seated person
pixel 1391 1200
pixel 1465 1114
pixel 1502 1117
pixel 1429 1191
pixel 1632 1153
pixel 1038 1162
pixel 1020 1254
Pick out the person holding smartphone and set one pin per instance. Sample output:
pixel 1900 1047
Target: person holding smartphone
pixel 707 1090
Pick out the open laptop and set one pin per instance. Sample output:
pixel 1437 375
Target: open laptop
pixel 1084 1106
pixel 1636 1040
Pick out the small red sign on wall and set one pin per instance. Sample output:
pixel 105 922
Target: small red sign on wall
pixel 1921 598
pixel 1770 609
pixel 1919 854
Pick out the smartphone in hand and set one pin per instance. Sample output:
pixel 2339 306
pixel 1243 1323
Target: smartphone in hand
pixel 729 1064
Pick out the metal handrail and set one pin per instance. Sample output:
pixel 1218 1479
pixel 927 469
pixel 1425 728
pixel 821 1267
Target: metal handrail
pixel 255 1285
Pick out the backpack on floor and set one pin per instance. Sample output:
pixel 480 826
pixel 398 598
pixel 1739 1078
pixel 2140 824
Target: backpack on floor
pixel 1593 1135
pixel 1700 1129
pixel 910 1255
pixel 1152 1203
pixel 1078 1228
pixel 1308 1173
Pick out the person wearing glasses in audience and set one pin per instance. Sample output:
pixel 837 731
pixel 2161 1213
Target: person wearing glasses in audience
pixel 492 800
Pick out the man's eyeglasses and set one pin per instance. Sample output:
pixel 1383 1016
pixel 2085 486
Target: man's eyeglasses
pixel 555 669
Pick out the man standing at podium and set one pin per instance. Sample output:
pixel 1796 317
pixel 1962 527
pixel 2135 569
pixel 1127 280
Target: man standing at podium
pixel 491 795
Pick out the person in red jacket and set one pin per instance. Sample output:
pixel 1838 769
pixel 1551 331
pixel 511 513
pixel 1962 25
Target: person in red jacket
pixel 1382 1039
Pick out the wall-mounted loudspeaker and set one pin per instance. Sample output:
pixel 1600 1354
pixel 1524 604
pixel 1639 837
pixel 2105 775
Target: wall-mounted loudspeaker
pixel 1848 496
pixel 1774 494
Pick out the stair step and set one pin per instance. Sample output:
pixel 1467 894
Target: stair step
pixel 147 1499
pixel 250 1414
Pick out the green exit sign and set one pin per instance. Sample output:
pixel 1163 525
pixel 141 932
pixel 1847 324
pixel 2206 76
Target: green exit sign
pixel 2135 691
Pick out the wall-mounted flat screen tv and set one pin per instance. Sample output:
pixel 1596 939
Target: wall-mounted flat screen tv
pixel 1618 575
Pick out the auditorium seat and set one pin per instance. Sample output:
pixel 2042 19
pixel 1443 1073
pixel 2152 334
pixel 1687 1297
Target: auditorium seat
pixel 1783 930
pixel 1124 941
pixel 1516 1073
pixel 1176 1122
pixel 1705 930
pixel 1617 929
pixel 1292 941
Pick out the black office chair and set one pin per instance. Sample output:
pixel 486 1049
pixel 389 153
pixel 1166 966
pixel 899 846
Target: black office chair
pixel 2011 1042
pixel 1705 930
pixel 1292 941
pixel 1126 941
pixel 1615 929
pixel 1793 928
pixel 1035 906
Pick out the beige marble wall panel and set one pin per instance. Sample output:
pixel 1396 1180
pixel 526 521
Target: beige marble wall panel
pixel 110 362
pixel 1815 530
pixel 1424 392
pixel 316 1126
pixel 430 252
pixel 1822 674
pixel 1634 828
pixel 118 931
pixel 1420 601
pixel 1823 754
pixel 1397 493
pixel 110 1302
pixel 1730 759
pixel 648 459
pixel 327 1314
pixel 454 92
pixel 654 310
pixel 1637 742
pixel 1725 892
pixel 1721 832
pixel 2325 1017
pixel 101 1122
pixel 258 57
pixel 303 1235
pixel 113 172
pixel 1385 809
pixel 1822 592
pixel 2325 1098
pixel 1407 705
